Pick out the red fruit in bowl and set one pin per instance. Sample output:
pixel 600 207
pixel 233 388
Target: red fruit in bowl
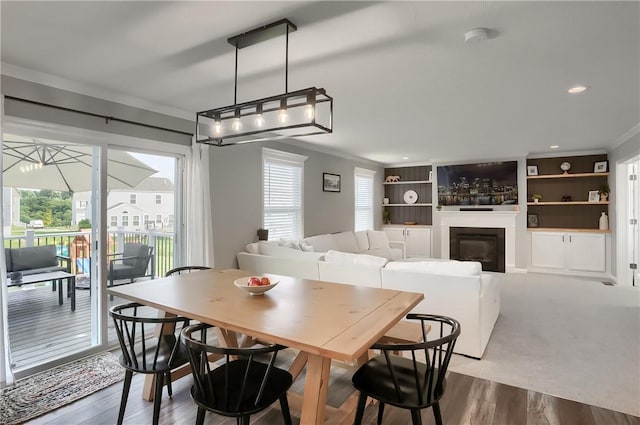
pixel 265 281
pixel 253 281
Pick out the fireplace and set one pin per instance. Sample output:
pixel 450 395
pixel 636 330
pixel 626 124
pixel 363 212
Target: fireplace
pixel 483 244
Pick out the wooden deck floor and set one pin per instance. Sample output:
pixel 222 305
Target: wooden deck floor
pixel 41 330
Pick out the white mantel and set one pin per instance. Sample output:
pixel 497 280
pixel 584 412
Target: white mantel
pixel 496 219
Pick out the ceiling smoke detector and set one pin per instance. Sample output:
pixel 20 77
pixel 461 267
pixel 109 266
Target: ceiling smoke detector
pixel 476 35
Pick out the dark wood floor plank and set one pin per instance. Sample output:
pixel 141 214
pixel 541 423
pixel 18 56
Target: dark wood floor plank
pixel 511 405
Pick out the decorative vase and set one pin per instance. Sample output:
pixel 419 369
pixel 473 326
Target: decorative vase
pixel 535 201
pixel 604 221
pixel 263 234
pixel 604 197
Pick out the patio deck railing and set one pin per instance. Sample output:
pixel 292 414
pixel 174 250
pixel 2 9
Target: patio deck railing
pixel 77 246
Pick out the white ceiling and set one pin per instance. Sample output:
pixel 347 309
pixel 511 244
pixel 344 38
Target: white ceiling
pixel 404 82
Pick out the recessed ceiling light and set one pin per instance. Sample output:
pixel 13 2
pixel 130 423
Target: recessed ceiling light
pixel 554 146
pixel 577 89
pixel 405 157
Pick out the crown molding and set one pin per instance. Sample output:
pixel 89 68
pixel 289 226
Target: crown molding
pixel 626 136
pixel 88 90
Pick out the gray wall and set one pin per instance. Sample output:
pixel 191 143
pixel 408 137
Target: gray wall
pixel 236 195
pixel 622 153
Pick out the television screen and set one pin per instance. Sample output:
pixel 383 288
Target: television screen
pixel 489 183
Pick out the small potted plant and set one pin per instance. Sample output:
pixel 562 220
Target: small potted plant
pixel 604 192
pixel 386 216
pixel 536 197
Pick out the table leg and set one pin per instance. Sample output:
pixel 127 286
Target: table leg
pixel 72 280
pixel 59 283
pixel 316 387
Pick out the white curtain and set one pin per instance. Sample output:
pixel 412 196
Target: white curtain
pixel 6 377
pixel 197 195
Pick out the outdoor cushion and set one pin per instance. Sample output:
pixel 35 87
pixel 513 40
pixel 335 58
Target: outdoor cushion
pixel 33 257
pixel 122 271
pixel 138 250
pixel 43 270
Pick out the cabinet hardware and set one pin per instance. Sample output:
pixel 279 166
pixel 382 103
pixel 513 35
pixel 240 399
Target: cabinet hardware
pixel 633 266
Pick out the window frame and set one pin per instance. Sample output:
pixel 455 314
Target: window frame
pixel 368 174
pixel 273 156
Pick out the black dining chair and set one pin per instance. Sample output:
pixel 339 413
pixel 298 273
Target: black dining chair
pixel 406 382
pixel 147 349
pixel 185 270
pixel 246 382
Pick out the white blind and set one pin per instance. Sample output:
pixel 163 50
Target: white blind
pixel 363 199
pixel 282 202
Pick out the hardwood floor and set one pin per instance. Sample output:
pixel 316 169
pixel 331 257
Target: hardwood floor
pixel 467 401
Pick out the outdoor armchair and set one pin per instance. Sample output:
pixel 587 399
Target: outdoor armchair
pixel 135 261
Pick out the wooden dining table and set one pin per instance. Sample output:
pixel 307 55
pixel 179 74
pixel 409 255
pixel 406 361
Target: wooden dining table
pixel 324 321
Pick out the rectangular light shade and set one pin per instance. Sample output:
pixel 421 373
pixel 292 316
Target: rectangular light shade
pixel 308 112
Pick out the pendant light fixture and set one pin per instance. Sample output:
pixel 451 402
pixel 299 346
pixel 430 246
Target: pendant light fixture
pixel 291 114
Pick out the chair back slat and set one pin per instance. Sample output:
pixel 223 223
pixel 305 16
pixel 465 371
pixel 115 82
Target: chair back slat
pixel 241 382
pixel 185 270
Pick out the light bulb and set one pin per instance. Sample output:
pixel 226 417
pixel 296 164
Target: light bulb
pixel 309 112
pixel 237 124
pixel 259 120
pixel 217 125
pixel 283 117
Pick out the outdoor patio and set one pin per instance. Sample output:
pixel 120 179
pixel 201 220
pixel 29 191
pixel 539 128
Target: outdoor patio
pixel 40 329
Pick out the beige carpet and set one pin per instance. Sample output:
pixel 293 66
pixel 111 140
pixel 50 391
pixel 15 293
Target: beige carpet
pixel 570 337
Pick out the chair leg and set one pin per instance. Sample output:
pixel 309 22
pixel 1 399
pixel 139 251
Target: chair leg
pixel 168 383
pixel 200 416
pixel 284 406
pixel 157 398
pixel 245 420
pixel 380 412
pixel 125 395
pixel 416 417
pixel 436 413
pixel 362 401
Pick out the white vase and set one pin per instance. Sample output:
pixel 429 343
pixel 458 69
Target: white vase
pixel 604 221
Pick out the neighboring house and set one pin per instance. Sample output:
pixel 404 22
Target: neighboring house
pixel 150 205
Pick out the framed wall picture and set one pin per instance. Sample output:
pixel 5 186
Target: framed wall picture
pixel 601 167
pixel 330 182
pixel 594 196
pixel 532 170
pixel 532 220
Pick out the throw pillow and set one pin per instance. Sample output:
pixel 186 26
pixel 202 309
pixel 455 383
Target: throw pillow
pixel 363 240
pixel 320 243
pixel 282 251
pixel 290 244
pixel 252 248
pixel 306 247
pixel 377 239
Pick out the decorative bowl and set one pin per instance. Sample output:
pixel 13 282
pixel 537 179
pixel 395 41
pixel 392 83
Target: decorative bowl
pixel 243 283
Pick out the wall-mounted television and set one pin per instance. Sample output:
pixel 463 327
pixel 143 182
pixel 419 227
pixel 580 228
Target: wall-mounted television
pixel 487 183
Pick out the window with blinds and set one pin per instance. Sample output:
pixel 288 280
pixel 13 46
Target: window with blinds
pixel 282 194
pixel 363 199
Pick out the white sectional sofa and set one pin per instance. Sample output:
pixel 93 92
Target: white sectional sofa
pixel 451 288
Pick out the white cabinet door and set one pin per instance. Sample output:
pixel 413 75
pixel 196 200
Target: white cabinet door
pixel 418 242
pixel 586 252
pixel 395 234
pixel 548 250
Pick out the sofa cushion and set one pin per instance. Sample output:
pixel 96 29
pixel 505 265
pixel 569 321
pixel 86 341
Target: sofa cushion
pixel 338 257
pixel 345 242
pixel 253 248
pixel 362 240
pixel 392 254
pixel 447 268
pixel 320 243
pixel 377 239
pixel 282 251
pixel 304 246
pixel 293 244
pixel 33 257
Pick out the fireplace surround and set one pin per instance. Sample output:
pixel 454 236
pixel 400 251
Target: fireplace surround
pixel 483 244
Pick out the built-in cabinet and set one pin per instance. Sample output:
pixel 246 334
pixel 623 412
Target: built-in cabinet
pixel 409 198
pixel 417 239
pixel 570 251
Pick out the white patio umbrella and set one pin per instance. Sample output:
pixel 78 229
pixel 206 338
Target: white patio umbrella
pixel 33 164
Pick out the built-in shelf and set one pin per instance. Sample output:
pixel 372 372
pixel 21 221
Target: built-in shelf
pixel 564 176
pixel 565 229
pixel 569 203
pixel 406 205
pixel 409 182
